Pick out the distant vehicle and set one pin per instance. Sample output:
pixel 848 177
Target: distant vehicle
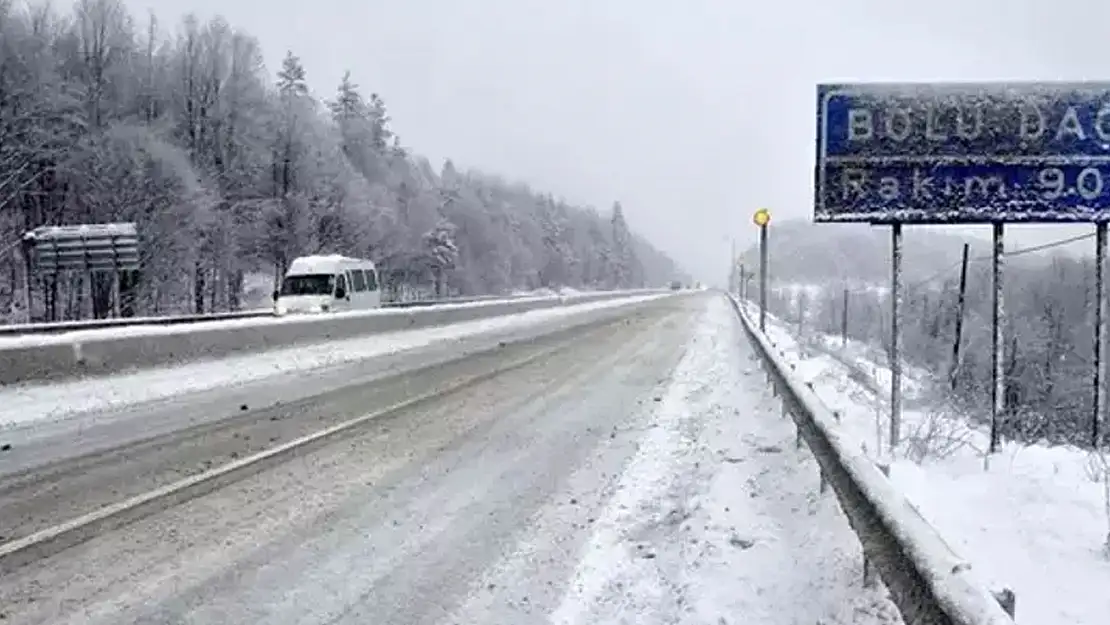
pixel 333 283
pixel 676 285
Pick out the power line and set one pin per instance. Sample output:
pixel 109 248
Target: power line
pixel 935 276
pixel 1028 250
pixel 9 248
pixel 1046 246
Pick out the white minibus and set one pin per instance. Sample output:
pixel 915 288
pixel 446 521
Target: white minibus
pixel 331 283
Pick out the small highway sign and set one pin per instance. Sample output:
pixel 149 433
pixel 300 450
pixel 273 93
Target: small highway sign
pixel 963 153
pixel 109 247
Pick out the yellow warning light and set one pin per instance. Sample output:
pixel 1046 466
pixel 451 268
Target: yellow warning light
pixel 762 217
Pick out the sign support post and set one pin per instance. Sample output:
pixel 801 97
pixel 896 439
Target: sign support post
pixel 28 277
pixel 1100 335
pixel 895 336
pixel 998 344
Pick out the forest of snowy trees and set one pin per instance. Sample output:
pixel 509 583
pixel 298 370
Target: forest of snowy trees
pixel 1049 348
pixel 231 170
pixel 1049 305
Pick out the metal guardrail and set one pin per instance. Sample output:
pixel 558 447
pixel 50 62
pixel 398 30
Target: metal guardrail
pixel 927 581
pixel 102 324
pixel 452 300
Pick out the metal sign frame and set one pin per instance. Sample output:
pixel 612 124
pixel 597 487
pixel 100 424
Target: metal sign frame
pixel 969 153
pixel 90 248
pixel 87 248
pixel 951 153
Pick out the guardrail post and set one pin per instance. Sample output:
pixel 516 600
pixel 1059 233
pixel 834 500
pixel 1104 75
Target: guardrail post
pixel 1008 600
pixel 824 483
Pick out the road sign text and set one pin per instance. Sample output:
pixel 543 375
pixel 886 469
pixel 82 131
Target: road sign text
pixel 963 153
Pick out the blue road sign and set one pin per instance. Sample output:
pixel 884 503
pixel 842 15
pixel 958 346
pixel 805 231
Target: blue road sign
pixel 963 153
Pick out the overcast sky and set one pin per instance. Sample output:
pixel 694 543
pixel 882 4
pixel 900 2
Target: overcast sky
pixel 692 113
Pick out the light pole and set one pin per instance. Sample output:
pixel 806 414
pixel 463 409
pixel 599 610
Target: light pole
pixel 762 218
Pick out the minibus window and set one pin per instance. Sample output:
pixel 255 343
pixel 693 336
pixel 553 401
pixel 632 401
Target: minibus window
pixel 358 281
pixel 309 284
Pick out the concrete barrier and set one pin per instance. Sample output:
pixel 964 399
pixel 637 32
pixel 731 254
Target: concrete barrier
pixel 95 353
pixel 60 327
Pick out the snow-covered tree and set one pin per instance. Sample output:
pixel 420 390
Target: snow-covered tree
pixel 625 267
pixel 231 171
pixel 1048 355
pixel 442 253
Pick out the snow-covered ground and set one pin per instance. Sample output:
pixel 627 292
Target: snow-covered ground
pixel 1035 519
pixel 23 404
pixel 717 519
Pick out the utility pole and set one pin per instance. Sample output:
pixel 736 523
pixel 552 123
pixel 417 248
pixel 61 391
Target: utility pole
pixel 733 284
pixel 844 320
pixel 961 298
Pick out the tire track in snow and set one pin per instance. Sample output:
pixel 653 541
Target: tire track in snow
pixel 718 519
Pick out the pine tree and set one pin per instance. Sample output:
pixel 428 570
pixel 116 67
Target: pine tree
pixel 626 271
pixel 379 121
pixel 292 80
pixel 348 104
pixel 442 252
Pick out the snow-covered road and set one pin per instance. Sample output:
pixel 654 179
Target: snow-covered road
pixel 641 474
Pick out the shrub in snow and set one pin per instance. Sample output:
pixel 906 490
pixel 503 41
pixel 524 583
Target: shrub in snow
pixel 1098 469
pixel 936 435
